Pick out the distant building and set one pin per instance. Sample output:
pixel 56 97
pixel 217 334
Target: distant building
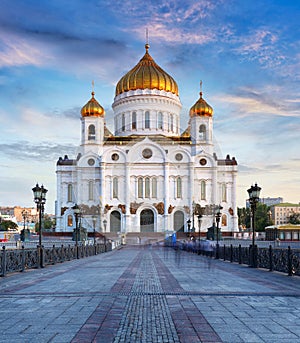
pixel 281 212
pixel 271 201
pixel 267 201
pixel 29 212
pixel 283 232
pixel 17 213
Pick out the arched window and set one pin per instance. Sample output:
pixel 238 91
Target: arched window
pixel 172 122
pixel 115 187
pixel 202 132
pixel 203 190
pixel 224 192
pixel 178 187
pixel 70 192
pixel 154 187
pixel 92 132
pixel 91 190
pixel 140 187
pixel 147 120
pixel 70 220
pixel 160 121
pixel 224 220
pixel 133 122
pixel 123 122
pixel 147 187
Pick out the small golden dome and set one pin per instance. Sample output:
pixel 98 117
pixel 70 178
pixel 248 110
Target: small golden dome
pixel 92 108
pixel 201 108
pixel 147 75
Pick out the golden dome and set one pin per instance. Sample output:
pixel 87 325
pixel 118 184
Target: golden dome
pixel 147 75
pixel 92 108
pixel 201 108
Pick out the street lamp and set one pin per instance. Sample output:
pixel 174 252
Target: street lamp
pixel 25 216
pixel 189 225
pixel 218 217
pixel 199 223
pixel 253 192
pixel 76 211
pixel 39 194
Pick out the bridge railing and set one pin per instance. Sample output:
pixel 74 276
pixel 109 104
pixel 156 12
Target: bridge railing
pixel 18 260
pixel 285 260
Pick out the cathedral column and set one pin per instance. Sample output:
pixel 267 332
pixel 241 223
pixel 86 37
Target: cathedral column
pixel 101 193
pixel 166 195
pixel 126 216
pixel 191 189
pixel 127 188
pixel 214 186
pixel 233 200
pixel 59 192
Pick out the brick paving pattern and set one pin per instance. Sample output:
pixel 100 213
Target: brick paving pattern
pixel 149 295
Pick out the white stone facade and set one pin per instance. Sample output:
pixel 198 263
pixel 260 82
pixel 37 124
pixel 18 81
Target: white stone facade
pixel 147 177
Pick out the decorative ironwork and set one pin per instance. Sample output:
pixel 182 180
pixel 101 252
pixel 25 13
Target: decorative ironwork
pixel 274 259
pixel 21 259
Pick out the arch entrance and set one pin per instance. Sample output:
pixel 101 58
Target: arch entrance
pixel 115 221
pixel 179 221
pixel 147 221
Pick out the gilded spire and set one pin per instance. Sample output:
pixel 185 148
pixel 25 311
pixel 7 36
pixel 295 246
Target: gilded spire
pixel 92 108
pixel 201 107
pixel 201 89
pixel 93 88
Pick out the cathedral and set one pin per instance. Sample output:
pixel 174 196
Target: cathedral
pixel 149 175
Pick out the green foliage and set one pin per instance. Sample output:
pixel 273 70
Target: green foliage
pixel 8 224
pixel 47 223
pixel 261 217
pixel 294 218
pixel 244 216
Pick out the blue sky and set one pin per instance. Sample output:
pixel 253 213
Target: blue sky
pixel 246 52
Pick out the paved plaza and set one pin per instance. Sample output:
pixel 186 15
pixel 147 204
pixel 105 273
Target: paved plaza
pixel 149 294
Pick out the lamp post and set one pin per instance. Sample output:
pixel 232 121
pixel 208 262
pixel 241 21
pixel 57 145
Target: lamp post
pixel 254 192
pixel 39 194
pixel 25 216
pixel 94 219
pixel 199 224
pixel 76 211
pixel 189 225
pixel 218 217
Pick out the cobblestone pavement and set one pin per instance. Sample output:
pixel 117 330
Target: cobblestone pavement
pixel 149 295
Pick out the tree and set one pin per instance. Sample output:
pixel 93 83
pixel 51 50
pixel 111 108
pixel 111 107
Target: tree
pixel 261 217
pixel 294 218
pixel 47 223
pixel 8 225
pixel 244 217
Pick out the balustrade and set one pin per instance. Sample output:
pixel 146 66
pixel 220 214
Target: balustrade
pixel 285 260
pixel 18 260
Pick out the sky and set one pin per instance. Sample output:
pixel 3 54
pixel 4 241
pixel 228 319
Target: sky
pixel 245 52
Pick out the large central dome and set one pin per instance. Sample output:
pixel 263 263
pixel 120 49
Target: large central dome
pixel 147 75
